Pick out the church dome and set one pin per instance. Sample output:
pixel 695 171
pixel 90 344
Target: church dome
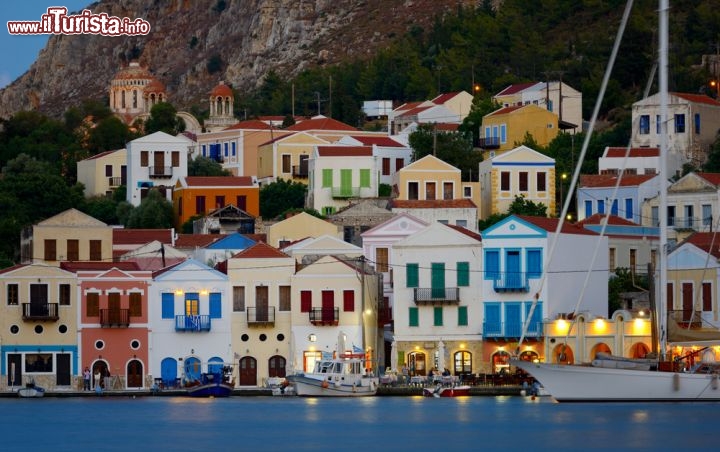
pixel 222 90
pixel 133 72
pixel 155 86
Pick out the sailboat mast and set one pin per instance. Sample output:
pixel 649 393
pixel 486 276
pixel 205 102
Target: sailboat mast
pixel 664 176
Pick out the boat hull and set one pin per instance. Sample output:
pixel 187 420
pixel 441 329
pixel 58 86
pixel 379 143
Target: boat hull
pixel 314 387
pixel 31 392
pixel 210 390
pixel 448 391
pixel 576 383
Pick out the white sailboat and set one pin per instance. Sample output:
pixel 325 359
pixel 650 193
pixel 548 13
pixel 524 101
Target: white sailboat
pixel 616 379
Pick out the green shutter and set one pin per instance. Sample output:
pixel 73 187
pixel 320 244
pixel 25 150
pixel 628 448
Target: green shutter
pixel 413 317
pixel 437 279
pixel 365 178
pixel 412 277
pixel 438 316
pixel 327 178
pixel 345 182
pixel 462 316
pixel 463 274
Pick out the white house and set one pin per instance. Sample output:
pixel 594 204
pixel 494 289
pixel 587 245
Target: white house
pixel 596 194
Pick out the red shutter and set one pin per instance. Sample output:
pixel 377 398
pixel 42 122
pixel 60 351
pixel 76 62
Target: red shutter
pixel 305 300
pixel 348 300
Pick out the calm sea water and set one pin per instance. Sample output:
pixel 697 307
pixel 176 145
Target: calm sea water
pixel 368 424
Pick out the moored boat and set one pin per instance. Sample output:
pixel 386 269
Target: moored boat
pixel 31 390
pixel 447 391
pixel 212 384
pixel 339 377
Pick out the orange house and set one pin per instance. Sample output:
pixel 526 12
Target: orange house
pixel 200 195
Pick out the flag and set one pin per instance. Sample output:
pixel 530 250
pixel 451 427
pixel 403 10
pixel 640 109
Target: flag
pixel 357 349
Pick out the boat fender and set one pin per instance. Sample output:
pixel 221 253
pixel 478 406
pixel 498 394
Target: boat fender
pixel 337 383
pixel 714 381
pixel 676 382
pixel 325 384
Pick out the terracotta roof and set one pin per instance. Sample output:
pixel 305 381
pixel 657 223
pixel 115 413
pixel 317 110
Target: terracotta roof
pixel 219 181
pixel 378 141
pixel 141 236
pixel 320 124
pixel 250 124
pixel 344 151
pixel 442 98
pixel 609 180
pixel 446 126
pixel 407 106
pixel 465 231
pixel 221 90
pixel 14 267
pixel 713 178
pixel 505 110
pixel 260 250
pixel 102 154
pixel 76 266
pixel 550 224
pixel 612 219
pixel 463 203
pixel 197 240
pixel 257 237
pixel 133 71
pixel 704 240
pixel 155 86
pixel 634 152
pixel 515 88
pixel 698 98
pixel 414 111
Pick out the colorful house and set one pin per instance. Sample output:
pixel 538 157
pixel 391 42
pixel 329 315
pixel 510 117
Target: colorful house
pixel 554 96
pixel 286 157
pixel 103 173
pixel 596 194
pixel 392 154
pixel 198 195
pixel 298 227
pixel 504 128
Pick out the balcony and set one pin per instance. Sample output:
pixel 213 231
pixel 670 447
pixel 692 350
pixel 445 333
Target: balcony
pixel 192 323
pixel 161 171
pixel 436 295
pixel 36 311
pixel 301 170
pixel 325 316
pixel 511 282
pixel 489 143
pixel 507 330
pixel 114 182
pixel 345 192
pixel 261 316
pixel 114 318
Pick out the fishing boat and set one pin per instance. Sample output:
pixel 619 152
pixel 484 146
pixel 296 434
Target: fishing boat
pixel 212 384
pixel 441 390
pixel 612 379
pixel 344 376
pixel 31 390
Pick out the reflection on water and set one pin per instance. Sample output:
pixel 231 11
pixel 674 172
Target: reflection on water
pixel 375 423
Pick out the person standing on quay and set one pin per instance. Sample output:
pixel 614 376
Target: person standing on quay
pixel 86 379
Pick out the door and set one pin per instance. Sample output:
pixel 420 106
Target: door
pixel 168 372
pixel 248 371
pixel 437 280
pixel 192 369
pixel 114 308
pixel 417 363
pixel 345 182
pixel 38 300
pixel 14 371
pixel 159 161
pixel 513 323
pixel 512 270
pixel 492 320
pixel 261 303
pixel 328 306
pixel 276 367
pixel 99 367
pixel 62 375
pixel 135 374
pixel 687 300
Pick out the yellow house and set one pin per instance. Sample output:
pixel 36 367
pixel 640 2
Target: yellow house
pixel 68 236
pixel 519 172
pixel 298 227
pixel 286 157
pixel 509 125
pixel 101 174
pixel 38 317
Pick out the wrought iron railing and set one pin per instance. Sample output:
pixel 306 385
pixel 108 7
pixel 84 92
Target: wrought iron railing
pixel 324 316
pixel 511 282
pixel 192 323
pixel 511 329
pixel 263 315
pixel 36 311
pixel 160 171
pixel 114 317
pixel 429 295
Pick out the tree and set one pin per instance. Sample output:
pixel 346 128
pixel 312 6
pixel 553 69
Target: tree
pixel 109 134
pixel 520 206
pixel 712 165
pixel 205 166
pixel 154 212
pixel 163 118
pixel 454 148
pixel 278 197
pixel 102 208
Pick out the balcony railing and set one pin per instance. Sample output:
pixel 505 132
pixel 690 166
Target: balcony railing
pixel 261 316
pixel 436 295
pixel 489 143
pixel 345 192
pixel 114 181
pixel 161 171
pixel 511 329
pixel 300 170
pixel 692 223
pixel 511 282
pixel 114 318
pixel 35 311
pixel 324 316
pixel 192 323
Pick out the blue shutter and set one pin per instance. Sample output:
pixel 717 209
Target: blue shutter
pixel 492 264
pixel 534 263
pixel 215 306
pixel 168 305
pixel 588 209
pixel 629 208
pixel 233 149
pixel 601 206
pixel 614 208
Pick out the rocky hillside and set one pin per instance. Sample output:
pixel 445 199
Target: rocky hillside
pixel 194 44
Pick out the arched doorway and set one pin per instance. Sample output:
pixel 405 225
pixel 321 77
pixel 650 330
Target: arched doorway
pixel 248 371
pixel 416 362
pixel 639 350
pixel 215 365
pixel 168 372
pixel 462 363
pixel 563 354
pixel 501 362
pixel 101 368
pixel 600 348
pixel 135 374
pixel 276 367
pixel 192 369
pixel 529 355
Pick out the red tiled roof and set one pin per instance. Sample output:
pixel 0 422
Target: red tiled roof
pixel 221 90
pixel 609 180
pixel 465 231
pixel 698 98
pixel 197 240
pixel 550 224
pixel 320 124
pixel 260 250
pixel 344 151
pixel 704 240
pixel 14 267
pixel 219 181
pixel 463 203
pixel 155 86
pixel 76 266
pixel 446 126
pixel 407 106
pixel 102 154
pixel 442 98
pixel 612 219
pixel 378 141
pixel 505 110
pixel 257 237
pixel 713 178
pixel 515 88
pixel 141 236
pixel 250 124
pixel 414 111
pixel 634 152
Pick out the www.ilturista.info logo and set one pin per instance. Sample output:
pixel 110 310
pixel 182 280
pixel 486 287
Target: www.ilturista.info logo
pixel 56 21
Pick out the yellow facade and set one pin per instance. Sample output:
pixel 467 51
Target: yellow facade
pixel 103 173
pixel 538 122
pixel 430 176
pixel 298 227
pixel 278 159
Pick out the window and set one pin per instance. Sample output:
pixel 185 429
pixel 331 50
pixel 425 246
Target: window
pixel 467 192
pixel 689 214
pixel 200 205
pixel 534 263
pixel 168 305
pixel 503 134
pixel 241 201
pixel 633 260
pixel 679 123
pixel 438 316
pixel 658 124
pixel 505 181
pixel 144 158
pixel 461 223
pixel 175 159
pixel 601 206
pixel 192 303
pixel 64 294
pixel 448 190
pixel 671 216
pixel 541 183
pixel 135 304
pixel 612 259
pixel 412 276
pixel 614 207
pixel 413 317
pixel 305 301
pixel 284 298
pixel 462 316
pixel 399 164
pixel 413 190
pixel 95 250
pixel 655 216
pixel 13 295
pixel 219 202
pixel 588 208
pixel 629 208
pixel 492 264
pixel 523 180
pixel 430 190
pixel 327 178
pixel 50 250
pixel 644 124
pixel 381 260
pixel 348 300
pixel 73 250
pixel 707 215
pixel 365 178
pixel 38 362
pixel 697 123
pixel 238 298
pixel 463 274
pixel 707 296
pixel 92 308
pixel 108 170
pixel 286 163
pixel 215 301
pixel 385 166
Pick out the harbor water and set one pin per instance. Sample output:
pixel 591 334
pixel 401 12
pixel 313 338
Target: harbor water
pixel 344 424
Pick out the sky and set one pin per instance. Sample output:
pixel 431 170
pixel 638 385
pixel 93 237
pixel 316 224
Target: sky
pixel 19 52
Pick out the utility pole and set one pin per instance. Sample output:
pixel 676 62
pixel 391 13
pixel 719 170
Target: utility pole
pixel 330 97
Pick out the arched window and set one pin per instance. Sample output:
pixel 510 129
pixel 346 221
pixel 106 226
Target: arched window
pixel 276 367
pixel 416 363
pixel 639 350
pixel 501 362
pixel 600 348
pixel 563 354
pixel 462 362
